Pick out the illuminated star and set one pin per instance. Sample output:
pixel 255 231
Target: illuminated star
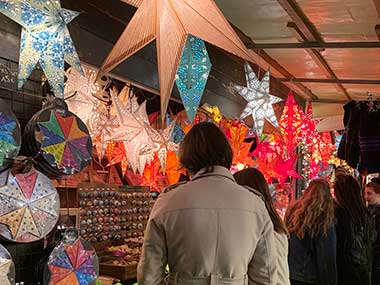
pixel 44 39
pixel 285 168
pixel 162 144
pixel 169 22
pixel 259 100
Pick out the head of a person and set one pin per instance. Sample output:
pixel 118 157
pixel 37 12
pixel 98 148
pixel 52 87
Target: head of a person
pixel 372 193
pixel 204 147
pixel 347 192
pixel 313 213
pixel 253 178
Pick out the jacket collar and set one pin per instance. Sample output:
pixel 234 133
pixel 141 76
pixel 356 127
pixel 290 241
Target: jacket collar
pixel 218 171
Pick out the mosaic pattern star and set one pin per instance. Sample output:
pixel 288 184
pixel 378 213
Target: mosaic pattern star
pixel 44 39
pixel 259 100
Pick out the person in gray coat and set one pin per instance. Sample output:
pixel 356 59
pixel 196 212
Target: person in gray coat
pixel 209 230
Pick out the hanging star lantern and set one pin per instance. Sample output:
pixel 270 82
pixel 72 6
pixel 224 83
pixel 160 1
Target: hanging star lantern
pixel 285 169
pixel 291 124
pixel 162 143
pixel 192 75
pixel 178 134
pixel 132 131
pixel 5 266
pixel 169 22
pixel 44 39
pixel 259 100
pixel 83 95
pixel 115 153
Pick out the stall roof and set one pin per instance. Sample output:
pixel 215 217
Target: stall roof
pixel 331 47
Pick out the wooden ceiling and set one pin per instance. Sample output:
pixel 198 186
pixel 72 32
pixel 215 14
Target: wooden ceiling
pixel 327 50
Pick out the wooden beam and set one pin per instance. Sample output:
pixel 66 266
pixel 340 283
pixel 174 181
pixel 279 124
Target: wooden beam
pixel 377 30
pixel 315 45
pixel 332 80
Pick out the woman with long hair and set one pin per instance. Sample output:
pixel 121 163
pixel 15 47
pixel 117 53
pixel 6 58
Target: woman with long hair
pixel 354 233
pixel 312 244
pixel 254 179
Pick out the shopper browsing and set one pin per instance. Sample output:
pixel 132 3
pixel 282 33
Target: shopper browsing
pixel 254 179
pixel 209 230
pixel 312 244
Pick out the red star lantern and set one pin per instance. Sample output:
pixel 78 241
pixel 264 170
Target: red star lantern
pixel 290 124
pixel 285 169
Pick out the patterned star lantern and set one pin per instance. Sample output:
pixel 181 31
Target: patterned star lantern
pixel 29 207
pixel 82 94
pixel 239 147
pixel 178 134
pixel 115 154
pixel 132 131
pixel 10 134
pixel 64 141
pixel 74 263
pixel 326 148
pixel 173 171
pixel 259 100
pixel 169 22
pixel 44 39
pixel 285 168
pixel 308 127
pixel 7 267
pixel 290 124
pixel 162 143
pixel 192 74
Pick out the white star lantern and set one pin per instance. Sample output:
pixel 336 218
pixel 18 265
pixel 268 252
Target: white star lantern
pixel 259 100
pixel 162 143
pixel 131 131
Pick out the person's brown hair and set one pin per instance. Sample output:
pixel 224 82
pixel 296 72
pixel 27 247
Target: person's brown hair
pixel 253 178
pixel 374 186
pixel 205 146
pixel 313 213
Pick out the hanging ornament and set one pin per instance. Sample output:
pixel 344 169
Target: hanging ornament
pixel 192 74
pixel 214 112
pixel 10 135
pixel 173 169
pixel 29 207
pixel 132 131
pixel 169 22
pixel 259 100
pixel 162 144
pixel 73 262
pixel 83 95
pixel 285 168
pixel 7 267
pixel 44 39
pixel 290 124
pixel 178 134
pixel 326 148
pixel 117 155
pixel 239 147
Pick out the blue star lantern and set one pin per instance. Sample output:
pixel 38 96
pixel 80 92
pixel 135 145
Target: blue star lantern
pixel 192 74
pixel 44 39
pixel 178 134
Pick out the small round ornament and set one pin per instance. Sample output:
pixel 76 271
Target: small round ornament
pixel 29 207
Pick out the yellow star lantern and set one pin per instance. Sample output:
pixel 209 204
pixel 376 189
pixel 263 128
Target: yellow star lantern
pixel 169 22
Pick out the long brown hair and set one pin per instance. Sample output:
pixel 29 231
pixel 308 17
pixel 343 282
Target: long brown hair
pixel 313 213
pixel 253 178
pixel 203 147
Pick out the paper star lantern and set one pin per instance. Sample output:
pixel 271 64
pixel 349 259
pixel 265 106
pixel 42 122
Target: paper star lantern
pixel 82 93
pixel 74 264
pixel 192 75
pixel 178 134
pixel 285 168
pixel 239 147
pixel 132 131
pixel 7 267
pixel 170 22
pixel 115 153
pixel 44 39
pixel 291 123
pixel 162 143
pixel 10 134
pixel 173 171
pixel 326 148
pixel 29 207
pixel 259 100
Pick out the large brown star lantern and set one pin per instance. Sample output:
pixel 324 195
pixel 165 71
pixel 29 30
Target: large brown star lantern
pixel 169 22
